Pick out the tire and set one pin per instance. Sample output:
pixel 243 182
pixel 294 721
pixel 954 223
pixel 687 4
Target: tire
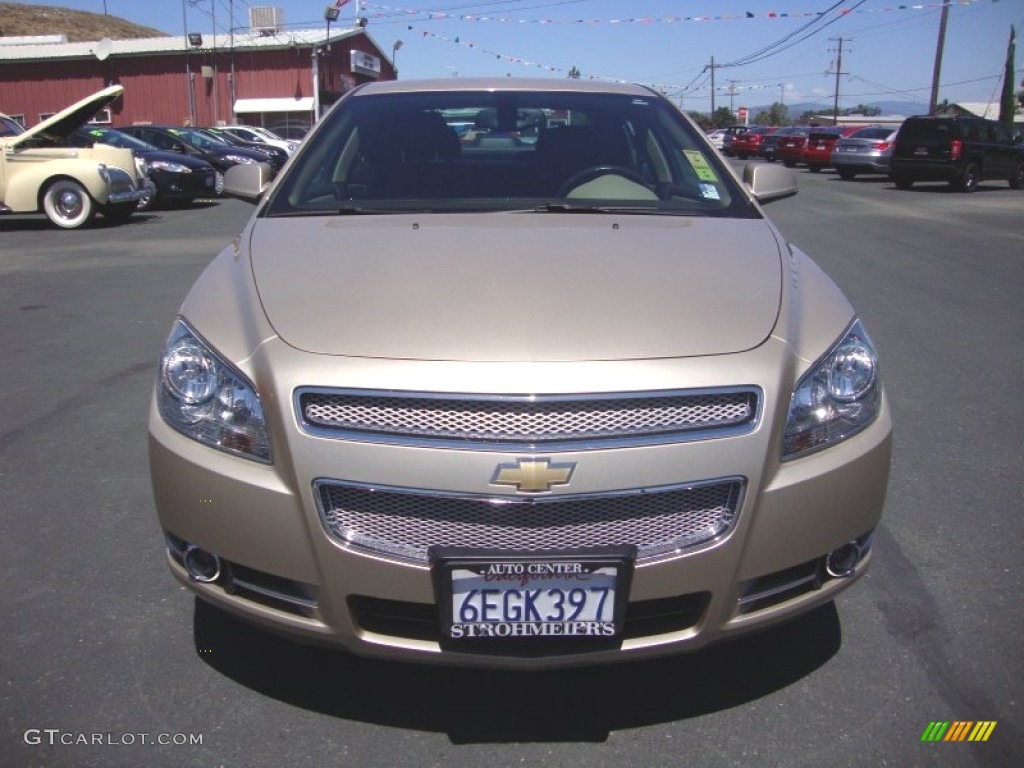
pixel 968 179
pixel 148 201
pixel 789 163
pixel 68 205
pixel 846 174
pixel 902 182
pixel 814 168
pixel 1017 179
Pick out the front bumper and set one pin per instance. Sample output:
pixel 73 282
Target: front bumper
pixel 281 568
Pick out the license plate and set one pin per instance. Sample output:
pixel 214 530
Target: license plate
pixel 532 596
pixel 852 149
pixel 921 152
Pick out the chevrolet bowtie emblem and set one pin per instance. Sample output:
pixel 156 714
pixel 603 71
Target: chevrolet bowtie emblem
pixel 533 475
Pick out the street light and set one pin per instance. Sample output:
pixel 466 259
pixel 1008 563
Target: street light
pixel 394 56
pixel 331 13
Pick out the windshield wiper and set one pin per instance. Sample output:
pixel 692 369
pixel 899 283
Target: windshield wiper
pixel 590 208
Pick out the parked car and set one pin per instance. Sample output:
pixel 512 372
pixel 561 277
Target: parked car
pixel 276 156
pixel 748 143
pixel 675 433
pixel 177 178
pixel 717 137
pixel 36 176
pixel 258 135
pixel 962 151
pixel 730 134
pixel 864 151
pixel 817 150
pixel 197 143
pixel 10 127
pixel 766 147
pixel 790 148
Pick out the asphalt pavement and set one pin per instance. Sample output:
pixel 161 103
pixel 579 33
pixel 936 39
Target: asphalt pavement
pixel 106 661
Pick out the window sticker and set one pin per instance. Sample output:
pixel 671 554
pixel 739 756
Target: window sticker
pixel 709 192
pixel 700 164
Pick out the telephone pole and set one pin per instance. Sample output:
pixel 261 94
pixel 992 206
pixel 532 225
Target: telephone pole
pixel 839 71
pixel 933 104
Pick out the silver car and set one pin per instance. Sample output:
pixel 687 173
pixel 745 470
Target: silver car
pixel 516 402
pixel 865 151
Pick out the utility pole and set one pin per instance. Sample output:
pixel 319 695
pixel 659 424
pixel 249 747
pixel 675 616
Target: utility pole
pixel 712 87
pixel 732 94
pixel 933 103
pixel 839 71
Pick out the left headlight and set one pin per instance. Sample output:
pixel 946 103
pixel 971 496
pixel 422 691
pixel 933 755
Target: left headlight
pixel 836 399
pixel 207 399
pixel 240 159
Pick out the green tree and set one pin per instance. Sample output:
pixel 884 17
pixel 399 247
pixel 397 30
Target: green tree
pixel 863 109
pixel 777 114
pixel 701 119
pixel 723 117
pixel 574 73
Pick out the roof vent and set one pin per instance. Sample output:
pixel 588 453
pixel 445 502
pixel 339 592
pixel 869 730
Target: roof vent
pixel 266 19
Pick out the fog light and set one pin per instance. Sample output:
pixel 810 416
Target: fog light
pixel 840 563
pixel 202 566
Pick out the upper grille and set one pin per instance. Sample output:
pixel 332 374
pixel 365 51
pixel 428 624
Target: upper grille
pixel 501 422
pixel 404 523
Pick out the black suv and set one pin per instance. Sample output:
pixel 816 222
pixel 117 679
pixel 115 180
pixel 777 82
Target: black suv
pixel 960 150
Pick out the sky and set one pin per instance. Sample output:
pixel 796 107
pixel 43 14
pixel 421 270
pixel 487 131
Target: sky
pixel 765 51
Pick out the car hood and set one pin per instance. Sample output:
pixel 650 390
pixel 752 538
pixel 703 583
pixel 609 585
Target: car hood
pixel 518 286
pixel 60 126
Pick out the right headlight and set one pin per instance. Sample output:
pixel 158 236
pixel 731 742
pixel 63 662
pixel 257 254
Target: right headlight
pixel 836 399
pixel 208 400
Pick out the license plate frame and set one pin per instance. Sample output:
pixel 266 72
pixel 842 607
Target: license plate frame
pixel 594 584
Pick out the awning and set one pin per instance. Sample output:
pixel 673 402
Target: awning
pixel 250 106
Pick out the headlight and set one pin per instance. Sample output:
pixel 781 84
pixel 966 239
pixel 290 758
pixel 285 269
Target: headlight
pixel 141 167
pixel 208 400
pixel 104 173
pixel 169 166
pixel 836 399
pixel 239 159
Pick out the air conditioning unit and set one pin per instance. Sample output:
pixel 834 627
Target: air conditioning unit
pixel 266 19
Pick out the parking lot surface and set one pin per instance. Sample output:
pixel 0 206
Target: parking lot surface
pixel 106 661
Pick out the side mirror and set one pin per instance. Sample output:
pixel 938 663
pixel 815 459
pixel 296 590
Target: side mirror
pixel 769 182
pixel 248 182
pixel 179 148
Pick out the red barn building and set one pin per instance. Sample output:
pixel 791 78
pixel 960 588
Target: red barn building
pixel 279 78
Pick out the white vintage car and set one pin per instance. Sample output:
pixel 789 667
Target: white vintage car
pixel 39 173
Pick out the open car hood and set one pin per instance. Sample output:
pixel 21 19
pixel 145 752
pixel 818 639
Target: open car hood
pixel 60 126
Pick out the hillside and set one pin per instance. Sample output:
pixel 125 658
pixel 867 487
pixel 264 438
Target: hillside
pixel 18 20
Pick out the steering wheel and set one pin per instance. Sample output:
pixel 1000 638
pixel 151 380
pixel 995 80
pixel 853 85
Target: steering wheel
pixel 596 171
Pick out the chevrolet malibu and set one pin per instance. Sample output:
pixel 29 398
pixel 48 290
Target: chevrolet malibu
pixel 512 403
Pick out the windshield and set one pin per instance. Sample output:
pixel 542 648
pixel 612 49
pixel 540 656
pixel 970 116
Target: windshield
pixel 114 138
pixel 199 139
pixel 508 150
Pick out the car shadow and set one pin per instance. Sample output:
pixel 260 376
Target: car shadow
pixel 488 706
pixel 943 188
pixel 863 180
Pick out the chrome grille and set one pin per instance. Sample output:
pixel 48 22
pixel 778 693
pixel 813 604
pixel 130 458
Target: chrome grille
pixel 552 421
pixel 403 524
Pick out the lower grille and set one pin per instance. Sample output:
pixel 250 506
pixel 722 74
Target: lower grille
pixel 403 524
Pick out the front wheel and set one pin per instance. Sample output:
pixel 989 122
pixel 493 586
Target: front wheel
pixel 902 182
pixel 1017 180
pixel 814 168
pixel 846 174
pixel 968 181
pixel 68 205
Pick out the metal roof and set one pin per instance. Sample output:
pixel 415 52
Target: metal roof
pixel 248 40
